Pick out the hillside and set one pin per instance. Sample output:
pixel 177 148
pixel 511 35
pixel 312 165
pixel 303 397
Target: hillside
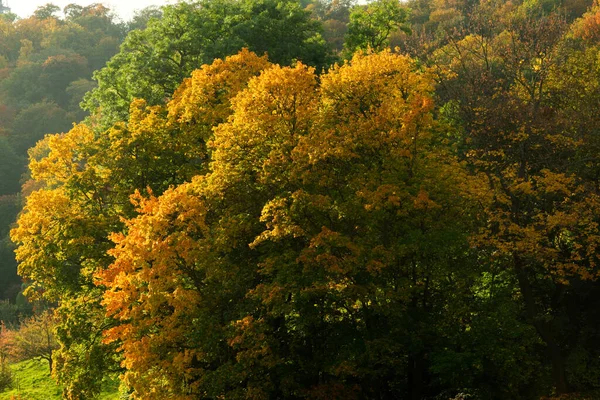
pixel 32 381
pixel 282 199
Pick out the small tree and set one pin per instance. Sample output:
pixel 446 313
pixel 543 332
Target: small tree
pixel 48 10
pixel 35 338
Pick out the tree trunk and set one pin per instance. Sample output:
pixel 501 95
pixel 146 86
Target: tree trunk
pixel 559 377
pixel 416 376
pixel 50 363
pixel 544 329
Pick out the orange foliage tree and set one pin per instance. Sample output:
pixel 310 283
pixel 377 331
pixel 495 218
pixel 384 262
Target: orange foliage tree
pixel 324 230
pixel 84 180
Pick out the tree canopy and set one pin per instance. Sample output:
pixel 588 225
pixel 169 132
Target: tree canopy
pixel 153 61
pixel 274 199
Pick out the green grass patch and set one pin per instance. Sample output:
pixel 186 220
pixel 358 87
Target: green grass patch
pixel 32 381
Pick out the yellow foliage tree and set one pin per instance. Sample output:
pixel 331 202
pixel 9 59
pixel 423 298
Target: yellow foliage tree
pixel 84 179
pixel 329 211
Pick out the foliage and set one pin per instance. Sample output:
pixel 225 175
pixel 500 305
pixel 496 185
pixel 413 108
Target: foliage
pixel 35 121
pixel 142 17
pixel 46 11
pixel 85 181
pixel 11 170
pixel 35 338
pixel 12 314
pixel 542 222
pixel 9 208
pixel 281 281
pixel 393 227
pixel 335 16
pixel 154 61
pixel 371 25
pixel 44 64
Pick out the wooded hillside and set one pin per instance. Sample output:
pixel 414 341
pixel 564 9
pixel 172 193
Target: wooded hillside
pixel 272 199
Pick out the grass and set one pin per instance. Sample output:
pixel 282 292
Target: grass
pixel 32 381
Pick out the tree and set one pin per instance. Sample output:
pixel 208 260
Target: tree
pixel 75 93
pixel 39 61
pixel 72 11
pixel 541 224
pixel 335 16
pixel 284 31
pixel 35 338
pixel 154 61
pixel 46 11
pixel 142 17
pixel 371 25
pixel 9 47
pixel 84 181
pixel 9 208
pixel 301 251
pixel 58 72
pixel 10 169
pixel 35 121
pixel 23 85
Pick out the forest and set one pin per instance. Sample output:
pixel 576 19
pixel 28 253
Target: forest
pixel 302 199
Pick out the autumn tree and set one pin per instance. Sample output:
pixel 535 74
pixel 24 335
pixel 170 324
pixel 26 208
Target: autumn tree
pixel 45 69
pixel 542 223
pixel 84 180
pixel 305 253
pixel 390 228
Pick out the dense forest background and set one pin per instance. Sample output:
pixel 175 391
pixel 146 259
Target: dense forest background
pixel 273 199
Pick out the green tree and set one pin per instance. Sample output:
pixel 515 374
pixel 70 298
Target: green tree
pixel 46 11
pixel 57 74
pixel 371 25
pixel 35 121
pixel 22 86
pixel 142 17
pixel 72 11
pixel 11 168
pixel 154 61
pixel 284 31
